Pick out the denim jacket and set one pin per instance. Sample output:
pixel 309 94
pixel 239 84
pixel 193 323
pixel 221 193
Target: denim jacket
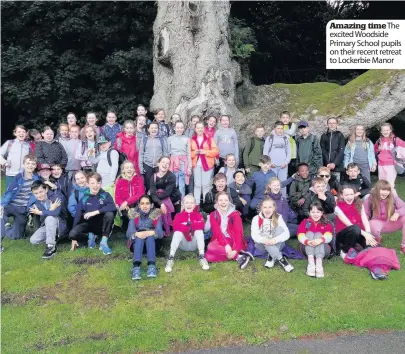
pixel 349 153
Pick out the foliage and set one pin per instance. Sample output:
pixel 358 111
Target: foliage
pixel 243 41
pixel 82 301
pixel 75 56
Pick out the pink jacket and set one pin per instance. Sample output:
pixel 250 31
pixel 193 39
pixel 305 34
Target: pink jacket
pixel 398 203
pixel 383 148
pixel 129 191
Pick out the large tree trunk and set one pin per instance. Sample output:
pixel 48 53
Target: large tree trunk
pixel 192 65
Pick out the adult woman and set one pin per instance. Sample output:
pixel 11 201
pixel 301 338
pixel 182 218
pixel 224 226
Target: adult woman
pixel 49 150
pixel 164 193
pixel 204 151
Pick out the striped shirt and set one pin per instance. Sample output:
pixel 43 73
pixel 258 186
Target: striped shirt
pixel 22 198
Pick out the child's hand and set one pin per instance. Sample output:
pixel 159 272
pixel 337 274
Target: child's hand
pixel 57 203
pixel 331 166
pixel 35 210
pixel 373 168
pixel 322 196
pixel 394 217
pixel 247 170
pixel 90 214
pixel 243 201
pixel 74 245
pixel 124 206
pixel 301 202
pixel 315 243
pixel 370 240
pixel 163 209
pixel 270 242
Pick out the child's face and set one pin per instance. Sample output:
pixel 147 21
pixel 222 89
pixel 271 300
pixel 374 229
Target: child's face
pixel 111 118
pixel 91 119
pixel 348 195
pixel 30 166
pixel 384 193
pixel 105 146
pixel 212 122
pixel 332 124
pixel 90 134
pixel 279 130
pixel 56 171
pixel 37 137
pixel 319 188
pixel 304 131
pixel 325 175
pixel 94 186
pixel 71 119
pixel 159 116
pixel 128 169
pixel 40 193
pixel 74 133
pixel 239 178
pixel 386 131
pixel 81 180
pixel 220 184
pixel 48 135
pixel 199 129
pixel 223 202
pixel 225 122
pixel 259 133
pixel 20 134
pixel 189 204
pixel 141 122
pixel 265 166
pixel 275 187
pixel 315 214
pixel 45 174
pixel 359 131
pixel 64 131
pixel 179 129
pixel 164 165
pixel 230 161
pixel 153 129
pixel 353 172
pixel 303 171
pixel 145 205
pixel 129 129
pixel 141 111
pixel 267 209
pixel 285 118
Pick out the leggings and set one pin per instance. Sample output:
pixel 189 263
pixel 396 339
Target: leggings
pixel 349 237
pixel 319 251
pixel 149 171
pixel 202 182
pixel 179 241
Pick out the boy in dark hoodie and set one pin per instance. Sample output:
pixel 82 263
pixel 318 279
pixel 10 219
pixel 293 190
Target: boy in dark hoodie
pixel 354 178
pixel 299 191
pixel 244 191
pixel 319 194
pixel 48 208
pixel 95 215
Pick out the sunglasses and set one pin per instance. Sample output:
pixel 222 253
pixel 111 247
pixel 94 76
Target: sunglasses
pixel 326 176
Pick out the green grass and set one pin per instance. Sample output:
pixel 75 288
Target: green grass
pixel 84 302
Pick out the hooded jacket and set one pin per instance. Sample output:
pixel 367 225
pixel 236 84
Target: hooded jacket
pixel 51 153
pixel 76 194
pixel 14 188
pixel 209 199
pixel 129 190
pixel 17 151
pixel 263 229
pixel 127 145
pixel 399 207
pixel 299 189
pixel 283 208
pixel 333 148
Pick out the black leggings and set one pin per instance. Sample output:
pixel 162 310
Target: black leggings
pixel 149 171
pixel 349 237
pixel 100 225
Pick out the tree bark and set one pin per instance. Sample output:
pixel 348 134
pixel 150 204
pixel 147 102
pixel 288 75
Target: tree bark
pixel 192 65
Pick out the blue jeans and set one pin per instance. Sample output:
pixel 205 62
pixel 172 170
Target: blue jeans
pixel 181 182
pixel 19 214
pixel 8 181
pixel 245 211
pixel 150 249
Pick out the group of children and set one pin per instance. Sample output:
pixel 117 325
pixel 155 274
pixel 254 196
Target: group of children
pixel 158 178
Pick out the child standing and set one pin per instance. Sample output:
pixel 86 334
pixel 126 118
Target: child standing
pixel 164 129
pixel 386 147
pixel 386 211
pixel 270 232
pixel 95 215
pixel 191 126
pixel 210 129
pixel 91 121
pixel 48 210
pixel 13 153
pixel 63 133
pixel 188 227
pixel 89 150
pixel 308 149
pixel 72 146
pixel 227 242
pixel 180 157
pixel 299 191
pixel 315 233
pixel 290 129
pixel 277 147
pixel 144 228
pixel 226 140
pixel 126 143
pixel 140 123
pixel 107 162
pixel 253 151
pixel 49 150
pixel 230 168
pixel 360 150
pixel 111 128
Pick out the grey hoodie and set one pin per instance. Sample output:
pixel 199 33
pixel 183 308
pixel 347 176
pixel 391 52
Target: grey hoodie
pixel 71 146
pixel 227 142
pixel 280 149
pixel 152 151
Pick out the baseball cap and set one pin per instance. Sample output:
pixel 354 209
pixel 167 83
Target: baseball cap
pixel 43 166
pixel 103 139
pixel 303 123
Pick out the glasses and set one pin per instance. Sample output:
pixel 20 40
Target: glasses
pixel 324 176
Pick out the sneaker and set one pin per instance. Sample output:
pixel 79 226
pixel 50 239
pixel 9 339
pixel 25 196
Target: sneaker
pixel 136 273
pixel 2 249
pixel 7 225
pixel 92 241
pixel 269 263
pixel 152 271
pixel 285 264
pixel 30 222
pixel 343 254
pixel 243 261
pixel 248 254
pixel 169 265
pixel 50 251
pixel 311 270
pixel 104 247
pixel 203 263
pixel 319 271
pixel 376 276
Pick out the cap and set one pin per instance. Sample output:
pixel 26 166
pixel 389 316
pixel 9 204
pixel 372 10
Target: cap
pixel 103 139
pixel 43 166
pixel 303 123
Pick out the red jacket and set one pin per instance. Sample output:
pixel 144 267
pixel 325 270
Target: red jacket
pixel 127 145
pixel 235 230
pixel 186 223
pixel 129 191
pixel 310 225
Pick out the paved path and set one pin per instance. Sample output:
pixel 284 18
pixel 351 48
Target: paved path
pixel 388 343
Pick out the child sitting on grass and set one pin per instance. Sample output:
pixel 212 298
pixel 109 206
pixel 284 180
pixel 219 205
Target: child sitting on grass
pixel 270 232
pixel 188 227
pixel 315 233
pixel 145 226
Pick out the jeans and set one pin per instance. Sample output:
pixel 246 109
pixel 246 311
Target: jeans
pixel 46 233
pixel 150 249
pixel 202 182
pixel 273 251
pixel 17 230
pixel 181 182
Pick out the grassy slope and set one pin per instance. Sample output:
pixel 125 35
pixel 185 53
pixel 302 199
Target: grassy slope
pixel 85 302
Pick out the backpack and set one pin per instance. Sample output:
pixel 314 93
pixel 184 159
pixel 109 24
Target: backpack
pixel 10 144
pixel 399 163
pixel 312 143
pixel 145 140
pixel 251 147
pixel 286 141
pixel 121 158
